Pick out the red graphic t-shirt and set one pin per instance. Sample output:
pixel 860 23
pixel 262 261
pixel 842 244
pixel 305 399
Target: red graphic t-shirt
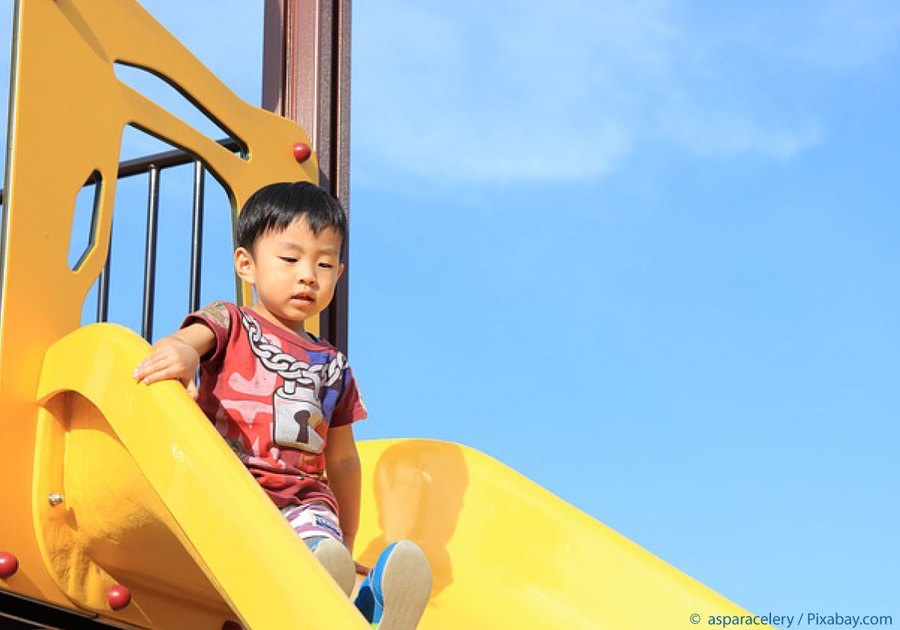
pixel 272 395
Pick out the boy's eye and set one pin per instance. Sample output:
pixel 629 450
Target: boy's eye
pixel 288 259
pixel 326 265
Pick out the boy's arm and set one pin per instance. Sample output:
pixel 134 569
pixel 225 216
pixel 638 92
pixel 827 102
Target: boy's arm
pixel 177 357
pixel 343 471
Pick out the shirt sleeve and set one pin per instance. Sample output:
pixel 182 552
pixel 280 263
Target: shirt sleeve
pixel 218 318
pixel 349 407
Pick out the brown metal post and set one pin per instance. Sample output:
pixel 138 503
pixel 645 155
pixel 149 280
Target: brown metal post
pixel 306 77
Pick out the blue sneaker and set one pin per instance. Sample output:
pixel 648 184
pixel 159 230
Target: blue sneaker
pixel 396 591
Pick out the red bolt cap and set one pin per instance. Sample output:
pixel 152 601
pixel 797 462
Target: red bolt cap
pixel 302 152
pixel 9 564
pixel 118 597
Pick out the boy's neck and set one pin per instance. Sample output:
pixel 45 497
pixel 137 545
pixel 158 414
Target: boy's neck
pixel 295 327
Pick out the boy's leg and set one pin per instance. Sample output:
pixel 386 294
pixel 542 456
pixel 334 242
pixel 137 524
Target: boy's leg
pixel 396 591
pixel 318 527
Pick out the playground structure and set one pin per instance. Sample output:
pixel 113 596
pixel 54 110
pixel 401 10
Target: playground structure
pixel 121 504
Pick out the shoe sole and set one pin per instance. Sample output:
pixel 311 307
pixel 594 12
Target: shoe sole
pixel 337 561
pixel 405 587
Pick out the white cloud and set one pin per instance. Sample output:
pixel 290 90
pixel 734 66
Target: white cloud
pixel 520 90
pixel 723 135
pixel 506 95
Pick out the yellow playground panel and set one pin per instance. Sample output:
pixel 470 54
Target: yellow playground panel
pixel 106 482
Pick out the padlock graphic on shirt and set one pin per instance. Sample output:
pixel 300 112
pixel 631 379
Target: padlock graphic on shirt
pixel 297 413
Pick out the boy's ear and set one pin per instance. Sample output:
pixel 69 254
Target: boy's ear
pixel 243 265
pixel 340 270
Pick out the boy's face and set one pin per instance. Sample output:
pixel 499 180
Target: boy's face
pixel 294 272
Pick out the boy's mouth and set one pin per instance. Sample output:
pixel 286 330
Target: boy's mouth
pixel 304 297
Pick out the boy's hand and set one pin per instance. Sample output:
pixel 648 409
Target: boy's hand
pixel 171 358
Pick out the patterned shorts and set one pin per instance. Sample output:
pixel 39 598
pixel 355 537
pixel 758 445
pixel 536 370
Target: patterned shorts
pixel 313 522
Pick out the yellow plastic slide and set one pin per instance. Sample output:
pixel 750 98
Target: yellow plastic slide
pixel 108 486
pixel 152 499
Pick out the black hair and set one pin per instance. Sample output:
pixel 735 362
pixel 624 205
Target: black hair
pixel 276 206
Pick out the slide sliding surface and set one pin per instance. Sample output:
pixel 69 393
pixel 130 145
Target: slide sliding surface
pixel 508 554
pixel 154 500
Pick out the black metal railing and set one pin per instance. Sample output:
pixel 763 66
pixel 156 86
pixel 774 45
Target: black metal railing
pixel 150 253
pixel 196 238
pixel 152 166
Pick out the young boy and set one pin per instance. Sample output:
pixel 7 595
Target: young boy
pixel 285 400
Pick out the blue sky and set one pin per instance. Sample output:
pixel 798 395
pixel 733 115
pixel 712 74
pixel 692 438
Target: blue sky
pixel 644 253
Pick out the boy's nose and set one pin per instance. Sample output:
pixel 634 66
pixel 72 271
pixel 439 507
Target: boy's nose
pixel 306 275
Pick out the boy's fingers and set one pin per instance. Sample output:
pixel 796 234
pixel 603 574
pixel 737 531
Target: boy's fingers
pixel 156 357
pixel 160 375
pixel 147 365
pixel 152 364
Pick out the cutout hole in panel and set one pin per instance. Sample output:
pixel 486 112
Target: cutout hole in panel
pixel 174 239
pixel 129 230
pixel 218 276
pixel 175 230
pixel 178 101
pixel 84 221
